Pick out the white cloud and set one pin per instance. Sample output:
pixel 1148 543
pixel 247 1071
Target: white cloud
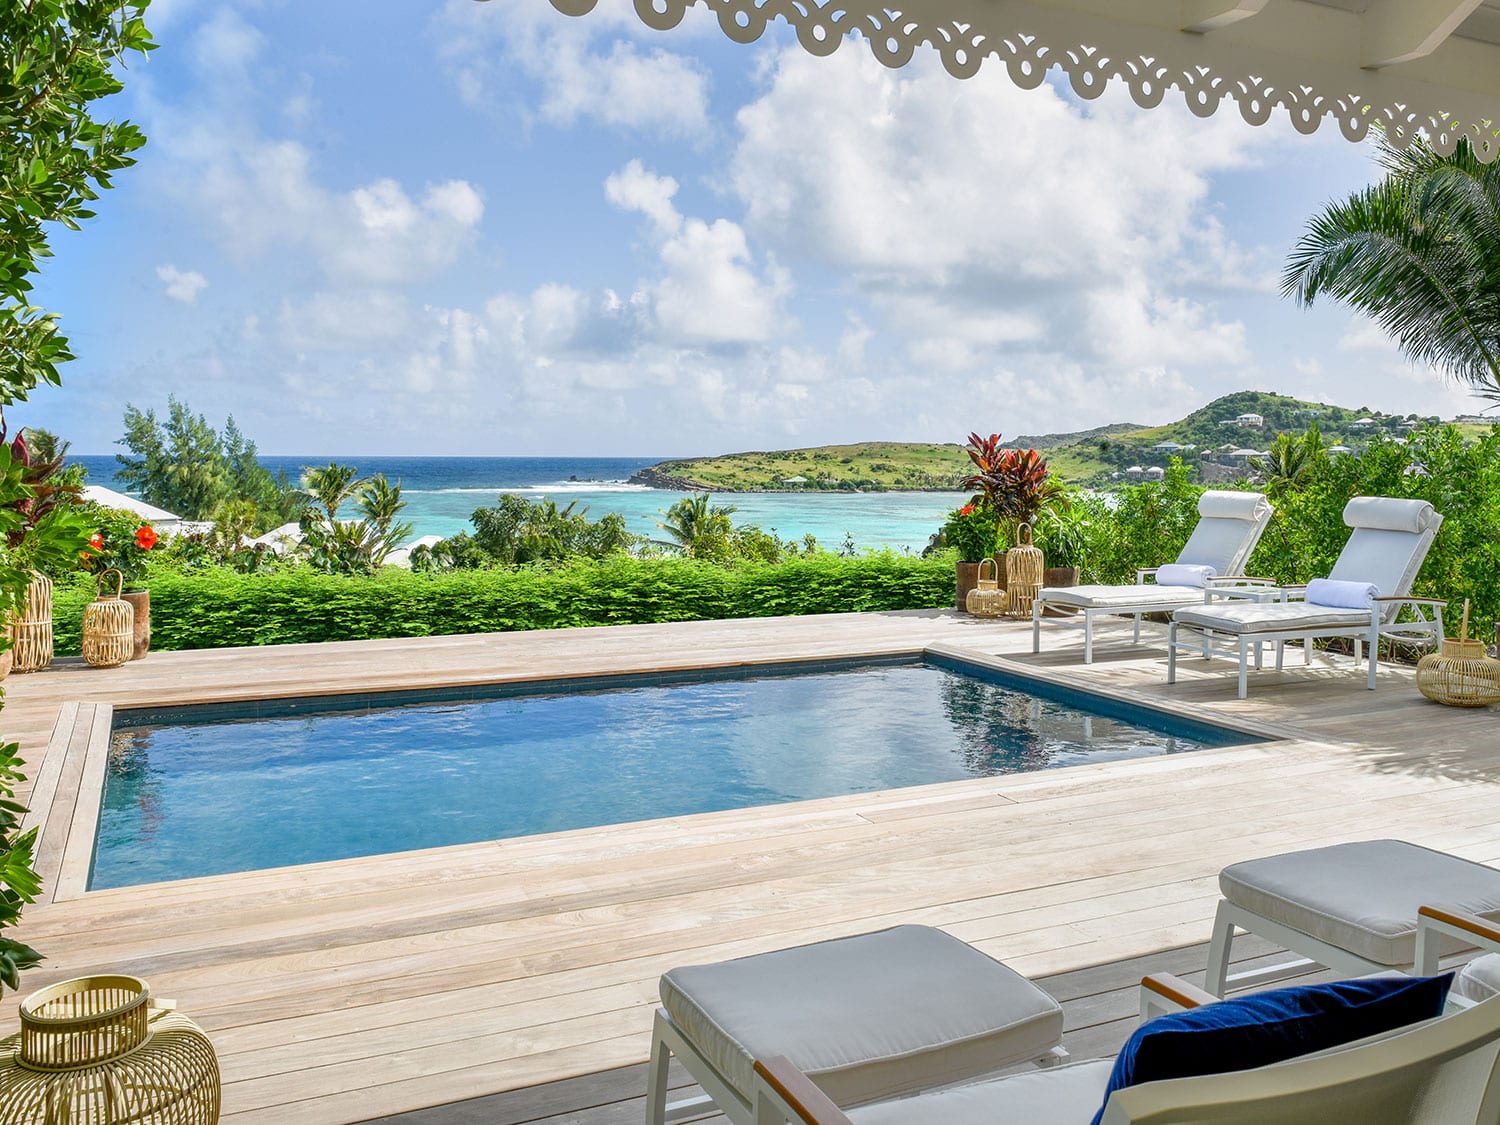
pixel 710 291
pixel 181 285
pixel 579 78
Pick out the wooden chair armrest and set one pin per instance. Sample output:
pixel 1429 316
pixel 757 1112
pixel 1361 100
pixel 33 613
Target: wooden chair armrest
pixel 1412 600
pixel 1176 991
pixel 799 1093
pixel 1482 930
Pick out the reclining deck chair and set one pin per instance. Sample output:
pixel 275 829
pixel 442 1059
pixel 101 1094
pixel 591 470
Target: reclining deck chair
pixel 1361 598
pixel 1229 526
pixel 1443 1071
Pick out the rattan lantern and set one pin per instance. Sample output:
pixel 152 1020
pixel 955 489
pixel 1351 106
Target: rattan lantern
pixel 986 599
pixel 98 1051
pixel 1023 574
pixel 1462 675
pixel 31 627
pixel 108 626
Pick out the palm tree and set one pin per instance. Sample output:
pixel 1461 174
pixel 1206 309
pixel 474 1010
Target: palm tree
pixel 1420 252
pixel 1288 461
pixel 695 525
pixel 329 486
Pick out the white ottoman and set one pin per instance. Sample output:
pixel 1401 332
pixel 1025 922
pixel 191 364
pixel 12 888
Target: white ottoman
pixel 1352 907
pixel 868 1018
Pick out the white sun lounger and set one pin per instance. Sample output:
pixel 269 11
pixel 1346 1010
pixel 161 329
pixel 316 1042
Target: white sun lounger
pixel 1229 526
pixel 1389 540
pixel 1443 1071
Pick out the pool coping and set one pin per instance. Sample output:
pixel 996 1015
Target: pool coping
pixel 78 751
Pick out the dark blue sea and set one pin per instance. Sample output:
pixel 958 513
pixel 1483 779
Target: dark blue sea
pixel 441 492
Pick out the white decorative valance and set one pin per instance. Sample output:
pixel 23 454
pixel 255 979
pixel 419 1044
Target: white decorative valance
pixel 1406 66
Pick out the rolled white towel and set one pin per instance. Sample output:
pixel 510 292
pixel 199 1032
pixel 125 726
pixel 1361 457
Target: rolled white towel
pixel 1342 595
pixel 1184 574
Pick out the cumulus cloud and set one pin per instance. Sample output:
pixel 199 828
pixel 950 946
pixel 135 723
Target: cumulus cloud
pixel 710 290
pixel 181 285
pixel 583 70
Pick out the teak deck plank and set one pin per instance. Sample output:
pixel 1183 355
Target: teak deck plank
pixel 353 989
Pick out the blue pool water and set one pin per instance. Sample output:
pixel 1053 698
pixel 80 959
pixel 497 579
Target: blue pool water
pixel 202 792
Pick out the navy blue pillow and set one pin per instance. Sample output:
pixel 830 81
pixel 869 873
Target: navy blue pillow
pixel 1269 1027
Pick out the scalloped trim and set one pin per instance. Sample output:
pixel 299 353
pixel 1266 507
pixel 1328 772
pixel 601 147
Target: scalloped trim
pixel 1206 70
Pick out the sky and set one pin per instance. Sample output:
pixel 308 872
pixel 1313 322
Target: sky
pixel 489 229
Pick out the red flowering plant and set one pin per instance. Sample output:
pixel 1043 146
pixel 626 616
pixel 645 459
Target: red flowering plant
pixel 972 531
pixel 121 541
pixel 1012 483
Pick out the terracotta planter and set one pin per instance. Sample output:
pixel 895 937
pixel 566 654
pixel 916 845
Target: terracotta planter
pixel 1060 576
pixel 966 577
pixel 140 601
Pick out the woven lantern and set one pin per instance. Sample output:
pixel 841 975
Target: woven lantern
pixel 987 599
pixel 1023 574
pixel 108 626
pixel 1462 675
pixel 98 1051
pixel 31 627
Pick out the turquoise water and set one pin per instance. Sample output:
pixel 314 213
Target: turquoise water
pixel 441 492
pixel 185 798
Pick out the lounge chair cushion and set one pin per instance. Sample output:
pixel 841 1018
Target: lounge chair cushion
pixel 1216 503
pixel 1269 1027
pixel 1364 896
pixel 1479 979
pixel 1061 1095
pixel 1386 513
pixel 866 1017
pixel 1269 617
pixel 1126 598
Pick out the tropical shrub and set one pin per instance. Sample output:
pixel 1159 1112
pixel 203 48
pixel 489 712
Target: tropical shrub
pixel 1147 525
pixel 118 540
pixel 1013 483
pixel 518 531
pixel 972 531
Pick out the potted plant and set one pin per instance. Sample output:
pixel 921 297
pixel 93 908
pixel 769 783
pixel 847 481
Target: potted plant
pixel 1062 533
pixel 972 532
pixel 122 541
pixel 42 532
pixel 1012 484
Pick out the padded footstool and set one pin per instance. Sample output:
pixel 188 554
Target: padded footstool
pixel 868 1017
pixel 1352 907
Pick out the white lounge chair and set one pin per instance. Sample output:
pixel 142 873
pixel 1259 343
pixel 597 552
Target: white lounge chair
pixel 872 1016
pixel 1363 907
pixel 1230 524
pixel 1361 598
pixel 1443 1071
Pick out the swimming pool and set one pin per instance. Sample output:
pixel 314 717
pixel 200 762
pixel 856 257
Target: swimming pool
pixel 210 790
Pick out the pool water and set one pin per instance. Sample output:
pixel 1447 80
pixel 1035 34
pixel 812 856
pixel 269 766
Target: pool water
pixel 196 792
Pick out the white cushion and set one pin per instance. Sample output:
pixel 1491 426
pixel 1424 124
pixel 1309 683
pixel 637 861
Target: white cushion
pixel 1363 897
pixel 1140 598
pixel 867 1017
pixel 1063 1095
pixel 1479 979
pixel 1270 617
pixel 1219 504
pixel 1383 513
pixel 1342 595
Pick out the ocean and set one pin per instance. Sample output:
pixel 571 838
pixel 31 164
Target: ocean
pixel 441 492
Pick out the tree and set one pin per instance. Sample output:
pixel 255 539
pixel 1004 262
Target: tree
pixel 1420 252
pixel 55 60
pixel 701 529
pixel 179 465
pixel 329 487
pixel 1288 461
pixel 350 546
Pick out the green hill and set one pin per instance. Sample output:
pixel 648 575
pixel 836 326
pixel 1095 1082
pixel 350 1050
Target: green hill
pixel 1096 458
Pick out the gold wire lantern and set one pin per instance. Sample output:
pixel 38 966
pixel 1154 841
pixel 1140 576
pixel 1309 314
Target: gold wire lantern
pixel 1463 674
pixel 109 626
pixel 99 1051
pixel 1023 574
pixel 986 599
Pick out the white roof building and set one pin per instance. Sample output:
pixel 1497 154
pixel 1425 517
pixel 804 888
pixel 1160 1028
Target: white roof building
pixel 165 522
pixel 1362 423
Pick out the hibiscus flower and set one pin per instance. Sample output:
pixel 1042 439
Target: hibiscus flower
pixel 145 537
pixel 96 541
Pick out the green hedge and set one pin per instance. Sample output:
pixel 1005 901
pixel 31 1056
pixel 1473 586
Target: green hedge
pixel 215 608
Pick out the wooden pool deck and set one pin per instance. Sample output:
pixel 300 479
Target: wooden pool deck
pixel 345 991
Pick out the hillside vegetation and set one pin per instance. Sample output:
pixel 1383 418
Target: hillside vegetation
pixel 1095 458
